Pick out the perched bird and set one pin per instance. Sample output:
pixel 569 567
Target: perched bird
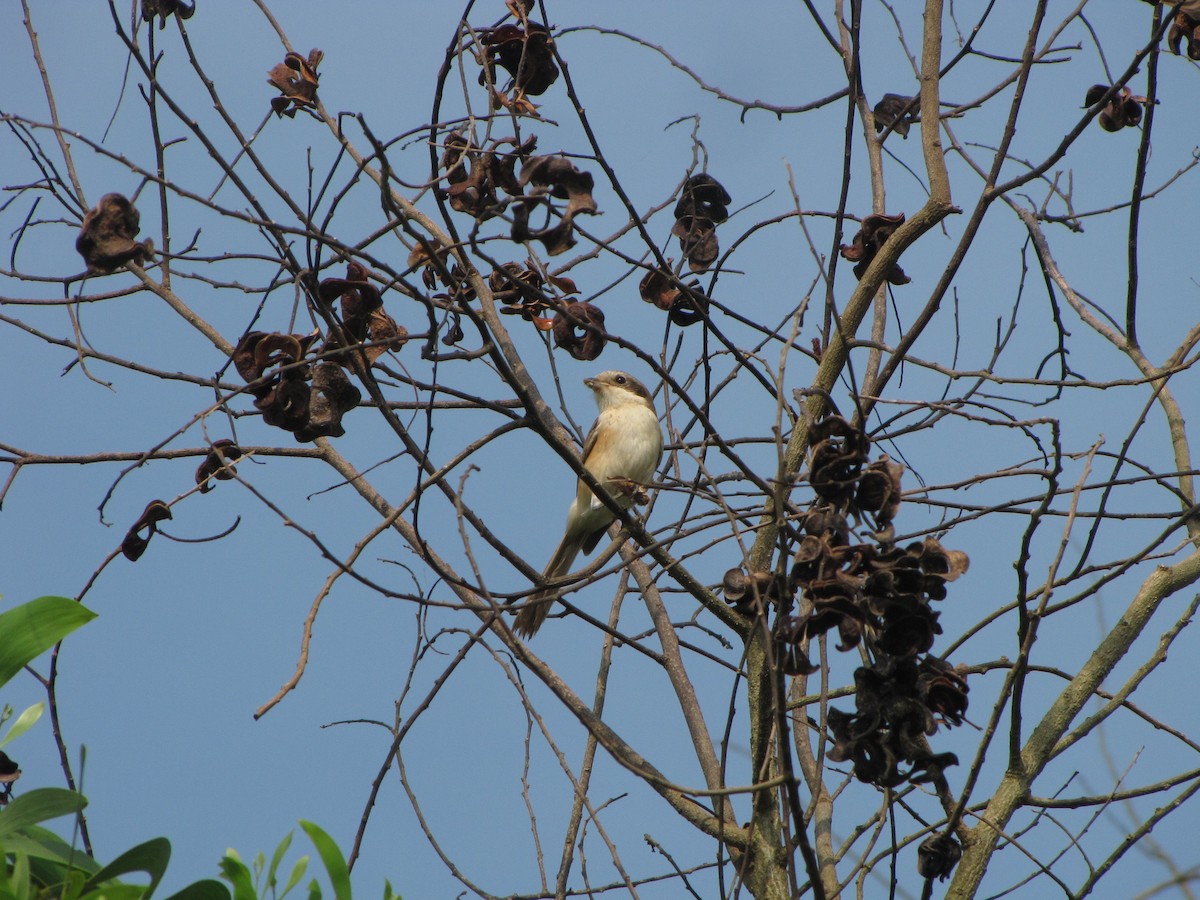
pixel 621 451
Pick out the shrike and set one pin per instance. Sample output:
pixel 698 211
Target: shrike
pixel 621 451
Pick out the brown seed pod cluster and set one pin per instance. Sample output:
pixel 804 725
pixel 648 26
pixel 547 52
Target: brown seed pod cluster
pixel 875 593
pixel 303 397
pixel 522 290
pixel 475 173
pixel 577 325
pixel 363 319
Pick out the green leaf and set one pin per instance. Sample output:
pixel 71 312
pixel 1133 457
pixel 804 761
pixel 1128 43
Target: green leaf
pixel 19 882
pixel 25 721
pixel 238 875
pixel 151 857
pixel 72 885
pixel 34 627
pixel 205 889
pixel 42 844
pixel 298 871
pixel 277 858
pixel 331 856
pixel 37 806
pixel 116 892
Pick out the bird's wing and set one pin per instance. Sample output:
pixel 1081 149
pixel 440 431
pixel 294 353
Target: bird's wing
pixel 583 493
pixel 590 441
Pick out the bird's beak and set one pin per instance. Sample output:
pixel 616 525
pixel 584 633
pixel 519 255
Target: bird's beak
pixel 592 383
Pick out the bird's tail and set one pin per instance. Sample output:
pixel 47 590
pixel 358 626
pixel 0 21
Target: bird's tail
pixel 531 616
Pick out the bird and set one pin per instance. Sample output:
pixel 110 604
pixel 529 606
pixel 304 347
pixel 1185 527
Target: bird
pixel 624 446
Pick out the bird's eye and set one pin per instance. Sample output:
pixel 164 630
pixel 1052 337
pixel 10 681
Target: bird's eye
pixel 620 379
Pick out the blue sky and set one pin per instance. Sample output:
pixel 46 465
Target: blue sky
pixel 195 637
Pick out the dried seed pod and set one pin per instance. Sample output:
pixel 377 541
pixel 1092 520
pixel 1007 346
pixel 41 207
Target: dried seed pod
pixel 703 204
pixel 937 856
pixel 332 395
pixel 790 632
pixel 218 464
pixel 872 235
pixel 526 54
pixel 360 299
pixel 743 591
pixel 547 177
pixel 1186 25
pixel 891 111
pixel 685 304
pixel 135 542
pixel 579 329
pixel 106 240
pixel 296 80
pixel 1122 110
pixel 165 9
pixel 878 490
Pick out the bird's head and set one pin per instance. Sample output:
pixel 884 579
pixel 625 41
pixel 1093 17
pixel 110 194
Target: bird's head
pixel 615 388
